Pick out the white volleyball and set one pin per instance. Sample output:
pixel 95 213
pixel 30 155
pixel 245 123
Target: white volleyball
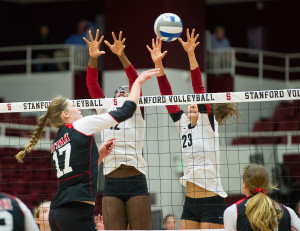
pixel 168 27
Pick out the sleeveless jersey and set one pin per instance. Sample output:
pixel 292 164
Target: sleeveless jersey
pixel 128 144
pixel 243 223
pixel 200 150
pixel 14 215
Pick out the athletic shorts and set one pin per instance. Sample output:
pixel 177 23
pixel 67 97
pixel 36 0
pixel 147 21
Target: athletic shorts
pixel 207 209
pixel 125 188
pixel 73 216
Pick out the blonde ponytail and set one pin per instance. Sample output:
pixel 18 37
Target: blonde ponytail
pixel 223 111
pixel 56 107
pixel 261 213
pixel 260 208
pixel 34 139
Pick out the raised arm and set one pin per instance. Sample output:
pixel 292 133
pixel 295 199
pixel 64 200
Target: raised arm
pixel 189 47
pixel 163 82
pixel 88 125
pixel 118 49
pixel 92 71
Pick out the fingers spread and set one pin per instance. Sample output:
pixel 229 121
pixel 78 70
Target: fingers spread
pixel 87 41
pixel 193 32
pixel 107 43
pixel 91 36
pixel 164 53
pixel 188 33
pixel 97 35
pixel 120 35
pixel 114 36
pixel 149 49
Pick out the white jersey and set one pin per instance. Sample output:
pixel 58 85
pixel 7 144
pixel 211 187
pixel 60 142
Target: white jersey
pixel 201 153
pixel 128 144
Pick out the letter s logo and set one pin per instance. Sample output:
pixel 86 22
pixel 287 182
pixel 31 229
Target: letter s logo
pixel 115 102
pixel 228 96
pixel 9 106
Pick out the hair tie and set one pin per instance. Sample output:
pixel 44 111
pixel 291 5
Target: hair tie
pixel 258 189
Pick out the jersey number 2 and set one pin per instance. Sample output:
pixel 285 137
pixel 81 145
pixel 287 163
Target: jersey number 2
pixel 66 151
pixel 187 140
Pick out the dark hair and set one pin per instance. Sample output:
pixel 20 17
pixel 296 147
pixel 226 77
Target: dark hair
pixel 219 27
pixel 168 216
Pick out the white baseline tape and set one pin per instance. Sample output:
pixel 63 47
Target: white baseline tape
pixel 227 97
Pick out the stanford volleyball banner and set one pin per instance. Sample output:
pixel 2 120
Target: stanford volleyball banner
pixel 234 97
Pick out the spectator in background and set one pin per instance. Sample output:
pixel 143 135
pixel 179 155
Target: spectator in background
pixel 74 39
pixel 170 222
pixel 219 57
pixel 297 208
pixel 14 215
pixel 218 39
pixel 41 215
pixel 43 38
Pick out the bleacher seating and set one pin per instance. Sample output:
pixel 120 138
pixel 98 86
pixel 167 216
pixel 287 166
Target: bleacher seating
pixel 32 181
pixel 286 117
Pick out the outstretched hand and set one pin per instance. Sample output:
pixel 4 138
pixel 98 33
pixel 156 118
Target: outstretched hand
pixel 118 46
pixel 155 52
pixel 94 45
pixel 190 45
pixel 145 75
pixel 105 149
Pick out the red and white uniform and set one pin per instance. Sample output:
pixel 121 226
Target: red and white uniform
pixel 235 217
pixel 15 215
pixel 129 134
pixel 200 144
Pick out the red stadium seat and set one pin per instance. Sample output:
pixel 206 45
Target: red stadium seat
pixel 288 126
pixel 295 140
pixel 242 141
pixel 264 125
pixel 266 140
pixel 284 111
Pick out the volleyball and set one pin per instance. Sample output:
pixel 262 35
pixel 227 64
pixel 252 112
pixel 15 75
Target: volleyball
pixel 168 27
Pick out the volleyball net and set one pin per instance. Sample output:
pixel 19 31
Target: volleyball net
pixel 267 133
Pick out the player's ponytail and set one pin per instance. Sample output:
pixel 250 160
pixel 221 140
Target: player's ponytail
pixel 260 208
pixel 55 108
pixel 34 138
pixel 223 111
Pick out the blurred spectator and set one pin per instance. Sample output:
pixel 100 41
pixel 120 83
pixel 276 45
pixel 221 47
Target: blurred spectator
pixel 297 208
pixel 15 215
pixel 219 57
pixel 170 222
pixel 218 39
pixel 74 39
pixel 41 215
pixel 43 38
pixel 82 27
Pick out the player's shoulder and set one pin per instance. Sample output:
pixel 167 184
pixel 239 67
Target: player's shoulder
pixel 6 195
pixel 241 201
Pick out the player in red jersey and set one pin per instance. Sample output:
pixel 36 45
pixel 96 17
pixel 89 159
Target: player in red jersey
pixel 75 157
pixel 257 211
pixel 14 215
